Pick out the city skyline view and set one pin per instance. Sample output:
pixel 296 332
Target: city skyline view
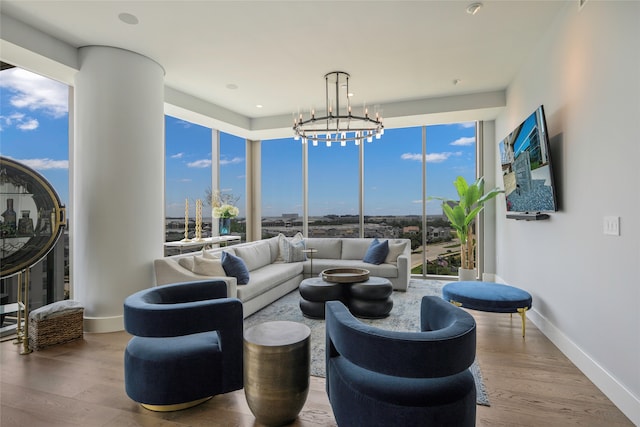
pixel 34 124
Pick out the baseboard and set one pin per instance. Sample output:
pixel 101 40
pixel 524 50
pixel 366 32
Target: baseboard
pixel 616 392
pixel 623 398
pixel 103 324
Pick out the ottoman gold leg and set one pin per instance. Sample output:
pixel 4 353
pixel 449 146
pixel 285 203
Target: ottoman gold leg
pixel 523 312
pixel 456 303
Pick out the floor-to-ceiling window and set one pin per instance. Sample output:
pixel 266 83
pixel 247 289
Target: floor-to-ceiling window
pixel 34 132
pixel 188 167
pixel 232 188
pixel 393 187
pixel 451 152
pixel 281 184
pixel 334 193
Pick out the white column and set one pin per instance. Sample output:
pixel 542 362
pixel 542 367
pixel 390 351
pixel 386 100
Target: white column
pixel 215 177
pixel 118 181
pixel 253 189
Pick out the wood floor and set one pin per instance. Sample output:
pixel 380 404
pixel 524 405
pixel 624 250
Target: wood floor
pixel 530 383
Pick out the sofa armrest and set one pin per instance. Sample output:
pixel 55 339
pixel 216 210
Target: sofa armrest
pixel 404 272
pixel 167 271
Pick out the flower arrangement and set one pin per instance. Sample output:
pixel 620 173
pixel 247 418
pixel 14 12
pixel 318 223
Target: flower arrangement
pixel 223 204
pixel 225 211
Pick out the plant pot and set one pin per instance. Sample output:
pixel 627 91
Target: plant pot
pixel 225 226
pixel 466 274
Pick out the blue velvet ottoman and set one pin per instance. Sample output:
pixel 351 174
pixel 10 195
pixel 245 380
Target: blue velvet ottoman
pixel 488 296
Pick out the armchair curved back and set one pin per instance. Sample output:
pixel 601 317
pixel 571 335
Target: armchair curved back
pixel 445 347
pixel 187 344
pixel 378 377
pixel 182 309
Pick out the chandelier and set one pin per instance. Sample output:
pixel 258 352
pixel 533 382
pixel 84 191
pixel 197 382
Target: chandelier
pixel 339 124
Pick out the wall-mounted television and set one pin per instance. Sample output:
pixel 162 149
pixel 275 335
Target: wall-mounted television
pixel 526 170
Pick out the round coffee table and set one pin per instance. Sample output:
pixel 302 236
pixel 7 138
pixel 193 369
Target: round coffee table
pixel 315 292
pixel 277 358
pixel 371 299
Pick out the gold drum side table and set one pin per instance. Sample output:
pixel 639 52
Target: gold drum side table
pixel 276 370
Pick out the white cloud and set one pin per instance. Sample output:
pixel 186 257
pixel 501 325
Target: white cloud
pixel 465 141
pixel 19 120
pixel 204 163
pixel 44 164
pixel 186 180
pixel 412 156
pixel 430 157
pixel 31 124
pixel 233 161
pixel 177 156
pixel 467 125
pixel 34 92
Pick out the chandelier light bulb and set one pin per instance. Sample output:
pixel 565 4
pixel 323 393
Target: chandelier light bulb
pixel 337 122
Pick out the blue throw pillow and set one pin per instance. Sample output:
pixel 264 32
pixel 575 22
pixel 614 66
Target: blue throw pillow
pixel 235 267
pixel 377 252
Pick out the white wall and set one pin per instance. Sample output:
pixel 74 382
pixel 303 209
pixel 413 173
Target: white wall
pixel 585 285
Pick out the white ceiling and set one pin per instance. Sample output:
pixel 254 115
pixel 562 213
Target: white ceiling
pixel 277 52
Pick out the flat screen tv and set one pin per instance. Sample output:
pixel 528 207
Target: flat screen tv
pixel 526 169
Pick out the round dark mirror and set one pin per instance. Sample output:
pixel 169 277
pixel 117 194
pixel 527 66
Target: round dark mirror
pixel 32 217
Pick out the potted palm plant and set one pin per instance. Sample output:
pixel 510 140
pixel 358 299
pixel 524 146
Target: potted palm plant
pixel 461 214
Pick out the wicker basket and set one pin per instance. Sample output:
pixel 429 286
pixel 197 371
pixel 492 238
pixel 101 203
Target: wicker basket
pixel 58 329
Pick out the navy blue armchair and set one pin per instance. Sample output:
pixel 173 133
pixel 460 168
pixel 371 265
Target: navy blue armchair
pixel 377 377
pixel 187 344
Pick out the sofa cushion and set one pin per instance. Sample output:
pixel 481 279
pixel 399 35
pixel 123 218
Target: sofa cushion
pixel 234 266
pixel 291 250
pixel 268 277
pixel 274 248
pixel 377 252
pixel 186 262
pixel 396 248
pixel 206 264
pixel 255 255
pixel 208 267
pixel 326 248
pixel 355 248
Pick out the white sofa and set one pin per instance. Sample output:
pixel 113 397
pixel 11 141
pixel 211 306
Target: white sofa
pixel 271 278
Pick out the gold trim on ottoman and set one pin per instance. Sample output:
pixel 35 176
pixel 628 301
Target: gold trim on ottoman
pixel 176 406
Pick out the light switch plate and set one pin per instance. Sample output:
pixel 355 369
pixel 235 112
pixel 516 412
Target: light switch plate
pixel 612 225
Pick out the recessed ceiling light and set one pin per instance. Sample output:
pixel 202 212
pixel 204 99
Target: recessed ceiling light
pixel 258 105
pixel 474 8
pixel 128 18
pixel 232 86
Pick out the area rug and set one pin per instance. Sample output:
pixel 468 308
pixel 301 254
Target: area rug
pixel 405 316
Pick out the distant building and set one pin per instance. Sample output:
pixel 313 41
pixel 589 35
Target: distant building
pixel 438 232
pixel 411 229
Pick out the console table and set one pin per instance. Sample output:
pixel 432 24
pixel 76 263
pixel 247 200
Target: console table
pixel 202 243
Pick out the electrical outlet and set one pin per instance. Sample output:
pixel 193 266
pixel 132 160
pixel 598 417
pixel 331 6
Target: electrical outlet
pixel 612 225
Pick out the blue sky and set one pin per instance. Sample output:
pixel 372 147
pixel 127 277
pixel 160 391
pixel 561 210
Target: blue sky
pixel 34 131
